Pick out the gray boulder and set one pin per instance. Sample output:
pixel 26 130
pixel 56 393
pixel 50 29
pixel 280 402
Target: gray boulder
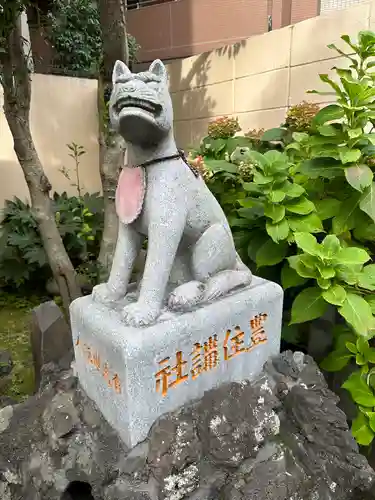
pixel 281 438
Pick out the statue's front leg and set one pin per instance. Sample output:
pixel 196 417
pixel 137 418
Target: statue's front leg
pixel 163 241
pixel 127 248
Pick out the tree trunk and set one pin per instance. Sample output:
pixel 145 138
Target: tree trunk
pixel 112 148
pixel 111 159
pixel 114 35
pixel 17 95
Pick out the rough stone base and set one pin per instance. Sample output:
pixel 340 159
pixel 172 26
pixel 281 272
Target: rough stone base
pixel 280 437
pixel 137 374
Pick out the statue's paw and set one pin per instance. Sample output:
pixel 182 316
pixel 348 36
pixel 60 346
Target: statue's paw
pixel 186 296
pixel 140 314
pixel 103 294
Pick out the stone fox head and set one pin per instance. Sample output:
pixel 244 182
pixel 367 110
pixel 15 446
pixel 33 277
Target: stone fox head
pixel 140 106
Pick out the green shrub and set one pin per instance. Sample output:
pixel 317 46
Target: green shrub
pixel 75 34
pixel 23 261
pixel 305 216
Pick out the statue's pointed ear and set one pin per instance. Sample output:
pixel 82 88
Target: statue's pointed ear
pixel 120 69
pixel 158 69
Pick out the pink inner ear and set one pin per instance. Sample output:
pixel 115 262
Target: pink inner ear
pixel 130 194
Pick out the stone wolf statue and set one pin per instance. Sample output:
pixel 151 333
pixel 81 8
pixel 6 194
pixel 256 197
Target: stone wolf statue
pixel 191 257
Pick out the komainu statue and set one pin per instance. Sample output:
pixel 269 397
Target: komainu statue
pixel 191 257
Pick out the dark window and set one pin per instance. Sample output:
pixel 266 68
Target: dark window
pixel 78 490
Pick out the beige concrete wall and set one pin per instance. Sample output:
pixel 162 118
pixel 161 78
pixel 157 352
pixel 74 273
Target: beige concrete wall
pixel 63 110
pixel 262 77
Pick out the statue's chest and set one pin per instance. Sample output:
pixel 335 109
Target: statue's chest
pixel 130 194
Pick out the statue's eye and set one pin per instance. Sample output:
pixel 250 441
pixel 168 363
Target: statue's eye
pixel 243 151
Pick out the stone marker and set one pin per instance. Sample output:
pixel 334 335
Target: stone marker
pixel 196 319
pixel 51 338
pixel 136 374
pixel 6 367
pixel 6 363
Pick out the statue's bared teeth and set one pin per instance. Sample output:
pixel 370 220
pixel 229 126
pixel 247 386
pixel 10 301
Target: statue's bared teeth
pixel 126 102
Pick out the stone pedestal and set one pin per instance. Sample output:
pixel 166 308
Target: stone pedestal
pixel 136 375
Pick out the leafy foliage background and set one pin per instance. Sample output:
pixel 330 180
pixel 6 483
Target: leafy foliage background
pixel 301 203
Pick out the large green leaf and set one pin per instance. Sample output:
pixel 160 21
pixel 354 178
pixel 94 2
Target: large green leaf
pixel 291 334
pixel 327 114
pixel 301 206
pixel 274 212
pixel 324 283
pixel 251 187
pixel 308 305
pixel 220 165
pixel 327 208
pixel 302 267
pixel 370 137
pixel 274 134
pixel 299 137
pixel 241 238
pixel 325 78
pixel 348 155
pixel 292 190
pixel 357 312
pixel 364 229
pixel 250 202
pixel 335 295
pixel 326 271
pixel 290 278
pixel 278 231
pixel 271 253
pixel 371 420
pixel 361 430
pixel 370 299
pixel 250 213
pixel 328 131
pixel 308 223
pixel 261 179
pixel 353 133
pixel 335 361
pixel 349 275
pixel 345 219
pixel 257 238
pixel 36 255
pixel 330 246
pixel 276 196
pixel 366 38
pixel 367 202
pixel 359 390
pixel 274 156
pixel 359 176
pixel 259 159
pixel 321 167
pixel 238 141
pixel 367 277
pixel 307 242
pixel 352 256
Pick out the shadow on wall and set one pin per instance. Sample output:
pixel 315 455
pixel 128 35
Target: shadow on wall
pixel 188 84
